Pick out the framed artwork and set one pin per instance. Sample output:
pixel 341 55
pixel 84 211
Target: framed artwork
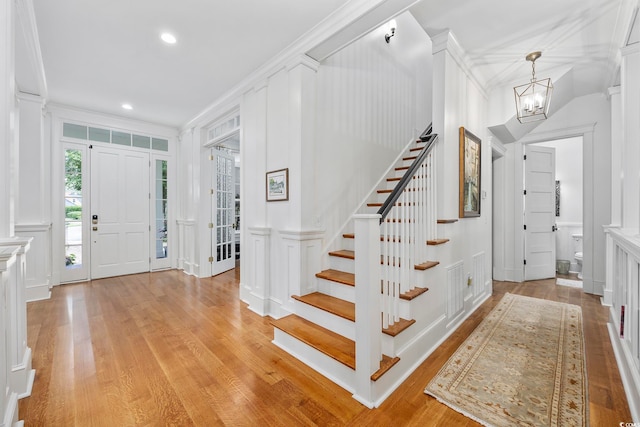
pixel 278 185
pixel 470 161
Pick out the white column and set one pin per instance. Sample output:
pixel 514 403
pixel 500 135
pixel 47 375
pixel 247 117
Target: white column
pixel 302 105
pixel 630 87
pixel 255 290
pixel 8 397
pixel 616 155
pixel 21 376
pixel 7 118
pixel 368 319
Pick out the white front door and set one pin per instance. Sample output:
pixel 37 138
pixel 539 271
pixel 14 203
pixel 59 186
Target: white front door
pixel 223 212
pixel 539 213
pixel 119 214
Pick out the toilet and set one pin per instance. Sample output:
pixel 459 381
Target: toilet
pixel 577 252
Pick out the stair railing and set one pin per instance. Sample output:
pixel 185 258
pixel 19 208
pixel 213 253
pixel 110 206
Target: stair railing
pixel 394 237
pixel 408 220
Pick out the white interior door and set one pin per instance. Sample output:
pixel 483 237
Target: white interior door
pixel 119 212
pixel 539 215
pixel 223 212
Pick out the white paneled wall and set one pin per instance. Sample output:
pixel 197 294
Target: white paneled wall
pixel 624 315
pixel 455 290
pixel 372 100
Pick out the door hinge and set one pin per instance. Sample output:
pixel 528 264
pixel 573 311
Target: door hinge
pixel 210 259
pixel 212 191
pixel 211 157
pixel 525 262
pixel 525 157
pixel 149 228
pixel 525 226
pixel 210 225
pixel 525 192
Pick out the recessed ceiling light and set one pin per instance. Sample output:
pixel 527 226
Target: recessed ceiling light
pixel 127 106
pixel 168 38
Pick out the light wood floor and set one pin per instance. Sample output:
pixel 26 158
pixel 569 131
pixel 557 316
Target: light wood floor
pixel 169 349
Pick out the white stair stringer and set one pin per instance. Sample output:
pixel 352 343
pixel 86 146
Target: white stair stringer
pixel 320 362
pixel 327 320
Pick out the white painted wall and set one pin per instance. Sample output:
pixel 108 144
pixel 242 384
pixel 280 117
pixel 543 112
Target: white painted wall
pixel 459 100
pixel 569 173
pixel 336 126
pixel 373 99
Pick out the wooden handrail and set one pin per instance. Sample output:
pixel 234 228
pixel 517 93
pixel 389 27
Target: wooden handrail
pixel 430 140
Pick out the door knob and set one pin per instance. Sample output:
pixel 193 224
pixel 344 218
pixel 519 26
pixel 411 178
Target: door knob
pixel 95 228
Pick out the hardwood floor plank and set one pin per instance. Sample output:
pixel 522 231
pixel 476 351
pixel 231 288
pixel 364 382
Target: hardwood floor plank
pixel 167 348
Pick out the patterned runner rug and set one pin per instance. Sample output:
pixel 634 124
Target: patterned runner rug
pixel 524 365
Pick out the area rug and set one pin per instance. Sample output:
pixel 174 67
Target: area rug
pixel 524 365
pixel 569 282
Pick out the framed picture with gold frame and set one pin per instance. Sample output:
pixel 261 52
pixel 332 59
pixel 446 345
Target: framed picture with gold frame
pixel 469 181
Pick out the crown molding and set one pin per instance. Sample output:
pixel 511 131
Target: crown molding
pixel 346 16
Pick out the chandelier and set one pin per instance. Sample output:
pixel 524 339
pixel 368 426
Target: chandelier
pixel 532 99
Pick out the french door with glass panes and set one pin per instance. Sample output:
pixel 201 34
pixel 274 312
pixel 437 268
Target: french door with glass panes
pixel 223 212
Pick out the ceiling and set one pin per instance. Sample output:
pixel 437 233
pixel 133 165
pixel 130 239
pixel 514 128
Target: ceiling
pixel 100 54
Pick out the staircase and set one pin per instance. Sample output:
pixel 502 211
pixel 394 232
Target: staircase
pixel 323 332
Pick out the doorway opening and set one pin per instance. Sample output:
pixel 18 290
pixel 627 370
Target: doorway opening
pixel 569 204
pixel 223 141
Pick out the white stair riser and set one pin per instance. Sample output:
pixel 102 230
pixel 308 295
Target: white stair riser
pixel 334 323
pixel 342 264
pixel 338 290
pixel 327 366
pixel 347 244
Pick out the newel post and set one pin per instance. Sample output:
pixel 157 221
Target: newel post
pixel 368 314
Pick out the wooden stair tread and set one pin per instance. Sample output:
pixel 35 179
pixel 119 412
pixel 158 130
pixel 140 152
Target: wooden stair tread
pixel 402 168
pixel 333 305
pixel 373 205
pixel 398 327
pixel 338 276
pixel 333 345
pixel 394 179
pixel 447 221
pixel 349 235
pixel 343 254
pixel 426 265
pixel 385 364
pixel 436 242
pixel 385 191
pixel 413 293
pixel 410 158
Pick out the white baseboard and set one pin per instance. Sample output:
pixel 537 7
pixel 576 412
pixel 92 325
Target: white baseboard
pixel 22 376
pixel 38 292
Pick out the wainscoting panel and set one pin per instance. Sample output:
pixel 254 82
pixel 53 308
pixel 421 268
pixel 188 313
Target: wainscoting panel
pixel 455 289
pixel 38 268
